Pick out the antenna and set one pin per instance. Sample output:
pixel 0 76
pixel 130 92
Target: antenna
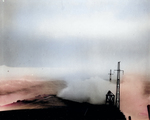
pixel 118 86
pixel 110 74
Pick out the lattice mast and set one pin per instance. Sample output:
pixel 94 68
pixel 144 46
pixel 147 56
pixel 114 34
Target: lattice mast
pixel 118 86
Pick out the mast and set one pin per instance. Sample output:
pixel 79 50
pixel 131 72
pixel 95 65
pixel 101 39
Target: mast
pixel 118 86
pixel 110 74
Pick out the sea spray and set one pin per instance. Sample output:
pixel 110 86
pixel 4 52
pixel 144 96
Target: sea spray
pixel 91 90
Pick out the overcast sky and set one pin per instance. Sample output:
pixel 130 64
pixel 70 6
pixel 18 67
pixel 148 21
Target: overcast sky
pixel 77 34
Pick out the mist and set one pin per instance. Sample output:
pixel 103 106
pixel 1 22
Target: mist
pixel 92 90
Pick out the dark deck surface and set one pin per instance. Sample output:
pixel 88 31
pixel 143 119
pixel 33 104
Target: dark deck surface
pixel 72 111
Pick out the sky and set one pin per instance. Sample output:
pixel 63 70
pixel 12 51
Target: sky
pixel 82 37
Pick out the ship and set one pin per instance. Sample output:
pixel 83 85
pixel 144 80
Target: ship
pixel 51 107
